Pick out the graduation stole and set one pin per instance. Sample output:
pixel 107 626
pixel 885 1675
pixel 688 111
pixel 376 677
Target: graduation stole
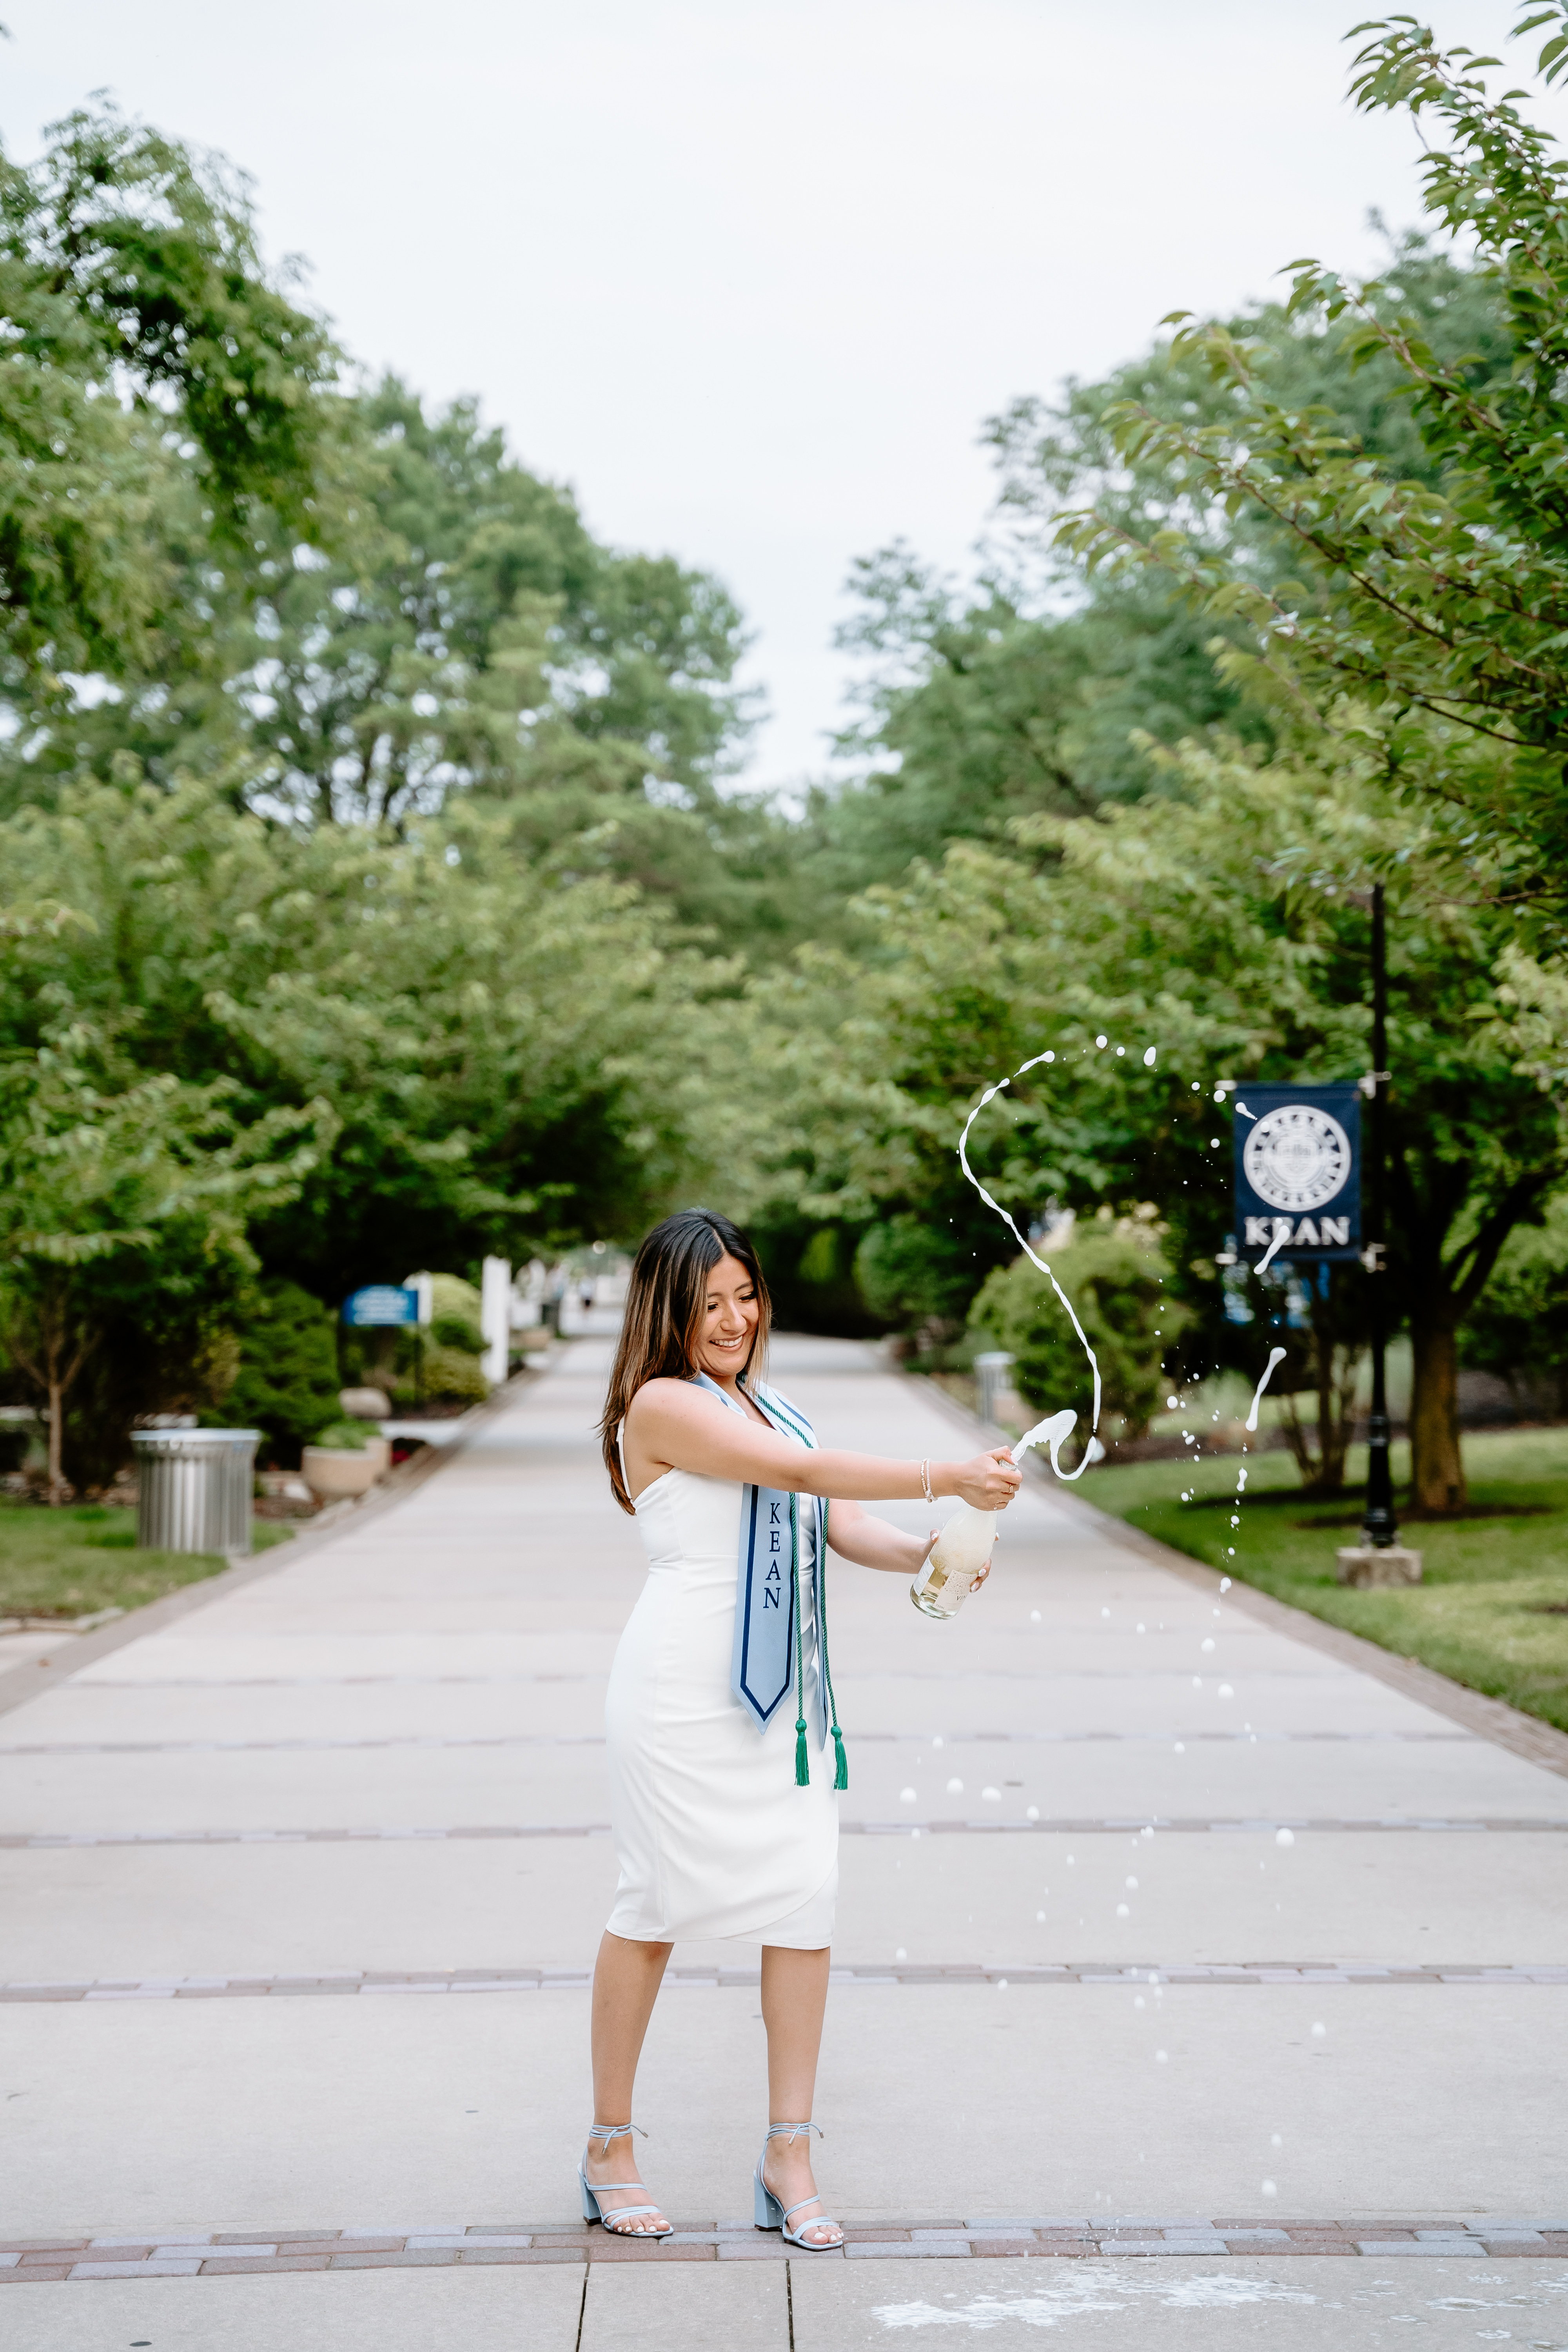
pixel 769 1645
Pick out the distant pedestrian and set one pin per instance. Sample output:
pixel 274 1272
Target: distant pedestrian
pixel 724 1827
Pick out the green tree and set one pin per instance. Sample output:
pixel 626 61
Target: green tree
pixel 120 1192
pixel 514 1061
pixel 1519 1328
pixel 472 634
pixel 151 362
pixel 1223 928
pixel 910 1279
pixel 287 1382
pixel 1441 589
pixel 1052 689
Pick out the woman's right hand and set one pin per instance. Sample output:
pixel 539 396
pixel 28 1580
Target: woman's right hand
pixel 988 1482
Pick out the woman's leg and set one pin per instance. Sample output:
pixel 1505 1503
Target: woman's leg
pixel 626 1984
pixel 794 1996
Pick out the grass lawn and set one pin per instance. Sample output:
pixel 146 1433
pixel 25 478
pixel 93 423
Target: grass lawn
pixel 82 1558
pixel 1493 1610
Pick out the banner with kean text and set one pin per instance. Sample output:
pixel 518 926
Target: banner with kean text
pixel 1298 1172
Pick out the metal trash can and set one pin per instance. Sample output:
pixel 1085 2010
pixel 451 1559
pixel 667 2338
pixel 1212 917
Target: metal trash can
pixel 991 1371
pixel 195 1487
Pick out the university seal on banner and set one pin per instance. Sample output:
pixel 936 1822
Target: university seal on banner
pixel 1298 1158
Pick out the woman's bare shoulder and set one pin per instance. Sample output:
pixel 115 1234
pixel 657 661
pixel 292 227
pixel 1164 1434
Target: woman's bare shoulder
pixel 657 1398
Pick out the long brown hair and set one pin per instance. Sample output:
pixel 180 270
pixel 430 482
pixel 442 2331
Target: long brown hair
pixel 666 1301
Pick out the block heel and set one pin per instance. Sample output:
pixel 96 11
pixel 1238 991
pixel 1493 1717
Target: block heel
pixel 772 2213
pixel 619 2216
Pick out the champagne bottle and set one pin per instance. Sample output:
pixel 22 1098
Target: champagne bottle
pixel 965 1544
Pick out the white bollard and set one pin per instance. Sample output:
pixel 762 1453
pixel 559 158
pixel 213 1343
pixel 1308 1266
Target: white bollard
pixel 495 1317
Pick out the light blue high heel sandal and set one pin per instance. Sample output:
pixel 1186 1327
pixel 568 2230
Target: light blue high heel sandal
pixel 617 2214
pixel 770 2214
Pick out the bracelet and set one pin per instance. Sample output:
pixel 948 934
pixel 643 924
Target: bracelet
pixel 925 1480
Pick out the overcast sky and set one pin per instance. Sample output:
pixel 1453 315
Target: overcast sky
pixel 750 274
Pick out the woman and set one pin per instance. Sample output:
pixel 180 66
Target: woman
pixel 724 1825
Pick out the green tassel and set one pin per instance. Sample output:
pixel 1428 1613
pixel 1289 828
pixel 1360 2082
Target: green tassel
pixel 841 1773
pixel 802 1767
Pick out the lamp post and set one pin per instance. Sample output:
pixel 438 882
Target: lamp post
pixel 1379 1527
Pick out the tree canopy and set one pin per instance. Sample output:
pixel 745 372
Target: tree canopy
pixel 376 889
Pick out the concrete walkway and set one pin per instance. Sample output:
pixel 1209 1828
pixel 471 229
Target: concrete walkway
pixel 300 1895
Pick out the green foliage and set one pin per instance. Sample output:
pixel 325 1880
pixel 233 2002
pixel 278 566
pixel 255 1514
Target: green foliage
pixel 336 606
pixel 459 634
pixel 453 1299
pixel 286 1384
pixel 1119 1279
pixel 1223 928
pixel 809 1265
pixel 1441 591
pixel 341 1436
pixel 471 634
pixel 1051 688
pixel 914 1276
pixel 451 1376
pixel 1518 1327
pixel 125 1199
pixel 457 1331
pixel 512 1061
pixel 150 365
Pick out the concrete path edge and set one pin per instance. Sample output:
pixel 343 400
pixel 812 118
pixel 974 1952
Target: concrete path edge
pixel 29 1681
pixel 1507 1727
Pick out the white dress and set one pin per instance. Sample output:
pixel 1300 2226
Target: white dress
pixel 713 1837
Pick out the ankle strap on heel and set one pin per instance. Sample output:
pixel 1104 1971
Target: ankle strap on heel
pixel 793 2131
pixel 607 2132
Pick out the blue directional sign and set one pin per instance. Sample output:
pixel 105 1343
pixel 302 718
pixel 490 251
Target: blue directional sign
pixel 1298 1172
pixel 381 1304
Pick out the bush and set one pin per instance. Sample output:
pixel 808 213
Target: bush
pixel 456 1331
pixel 914 1275
pixel 810 1272
pixel 287 1385
pixel 344 1436
pixel 1517 1328
pixel 451 1377
pixel 1114 1272
pixel 451 1296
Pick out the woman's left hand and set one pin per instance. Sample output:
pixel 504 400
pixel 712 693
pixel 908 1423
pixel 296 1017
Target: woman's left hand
pixel 930 1546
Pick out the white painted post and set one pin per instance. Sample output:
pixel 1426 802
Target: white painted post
pixel 495 1317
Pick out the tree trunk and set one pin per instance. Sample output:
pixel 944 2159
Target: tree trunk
pixel 1436 1466
pixel 57 1436
pixel 1335 1362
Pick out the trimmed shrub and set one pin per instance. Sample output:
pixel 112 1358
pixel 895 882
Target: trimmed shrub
pixel 451 1377
pixel 456 1331
pixel 1119 1280
pixel 1517 1328
pixel 914 1276
pixel 287 1385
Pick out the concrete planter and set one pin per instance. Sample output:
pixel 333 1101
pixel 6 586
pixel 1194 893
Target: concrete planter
pixel 1364 1567
pixel 364 1405
pixel 334 1471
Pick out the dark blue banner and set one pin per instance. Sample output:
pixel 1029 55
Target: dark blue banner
pixel 1298 1172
